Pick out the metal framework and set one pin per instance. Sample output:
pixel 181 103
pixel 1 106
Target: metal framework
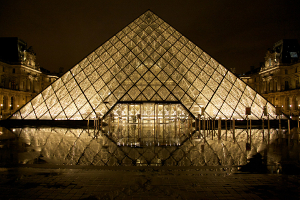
pixel 147 61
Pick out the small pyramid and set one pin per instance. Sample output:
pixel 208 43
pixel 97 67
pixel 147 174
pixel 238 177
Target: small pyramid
pixel 147 61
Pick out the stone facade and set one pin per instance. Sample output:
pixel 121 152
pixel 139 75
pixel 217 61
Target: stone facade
pixel 278 77
pixel 20 78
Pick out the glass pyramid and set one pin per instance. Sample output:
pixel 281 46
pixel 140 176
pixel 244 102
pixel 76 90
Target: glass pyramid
pixel 147 61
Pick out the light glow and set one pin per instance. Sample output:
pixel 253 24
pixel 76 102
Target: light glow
pixel 151 72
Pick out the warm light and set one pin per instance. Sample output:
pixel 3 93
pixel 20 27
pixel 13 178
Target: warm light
pixel 18 106
pixel 290 105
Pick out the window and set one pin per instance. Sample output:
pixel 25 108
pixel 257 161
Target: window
pixel 12 103
pixel 13 85
pixel 4 102
pixel 286 85
pixel 14 70
pixel 286 71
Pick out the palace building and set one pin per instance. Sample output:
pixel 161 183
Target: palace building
pixel 278 77
pixel 147 71
pixel 21 78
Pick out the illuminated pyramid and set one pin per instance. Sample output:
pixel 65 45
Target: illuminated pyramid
pixel 147 61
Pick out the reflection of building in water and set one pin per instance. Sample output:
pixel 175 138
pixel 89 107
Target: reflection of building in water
pixel 278 77
pixel 20 77
pixel 147 61
pixel 86 147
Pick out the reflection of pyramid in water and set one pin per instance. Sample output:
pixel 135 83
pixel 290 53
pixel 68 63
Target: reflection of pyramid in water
pixel 146 61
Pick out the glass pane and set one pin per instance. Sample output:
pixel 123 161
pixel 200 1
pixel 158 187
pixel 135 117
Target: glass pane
pixel 91 58
pixel 211 110
pixel 141 84
pixel 232 101
pixel 148 92
pixel 88 70
pixel 148 76
pixel 66 77
pixel 256 110
pixel 217 77
pixel 193 92
pixel 75 92
pixel 31 116
pixel 222 92
pixel 190 76
pixel 80 77
pixel 170 84
pixel 162 76
pixel 207 92
pixel 70 110
pixel 90 92
pixel 95 101
pixel 119 92
pixel 26 110
pixel 75 70
pixel 198 84
pixel 134 92
pixel 113 84
pixel 66 101
pixel 236 92
pixel 217 101
pixel 55 110
pixel 163 92
pixel 212 84
pixel 62 92
pixel 57 84
pixel 80 101
pixel 127 84
pixel 98 84
pixel 51 101
pixel 246 101
pixel 178 92
pixel 184 84
pixel 226 110
pixel 155 84
pixel 121 76
pixel 37 101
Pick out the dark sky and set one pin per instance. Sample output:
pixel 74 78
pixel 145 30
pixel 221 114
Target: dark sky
pixel 235 33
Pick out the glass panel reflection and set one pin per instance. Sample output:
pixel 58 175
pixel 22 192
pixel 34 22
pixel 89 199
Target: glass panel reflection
pixel 147 145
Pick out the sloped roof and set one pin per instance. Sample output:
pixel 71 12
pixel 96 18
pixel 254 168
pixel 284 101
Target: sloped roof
pixel 146 61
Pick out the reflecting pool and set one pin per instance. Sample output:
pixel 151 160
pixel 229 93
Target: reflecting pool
pixel 131 145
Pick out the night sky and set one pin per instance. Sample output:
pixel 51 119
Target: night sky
pixel 236 33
